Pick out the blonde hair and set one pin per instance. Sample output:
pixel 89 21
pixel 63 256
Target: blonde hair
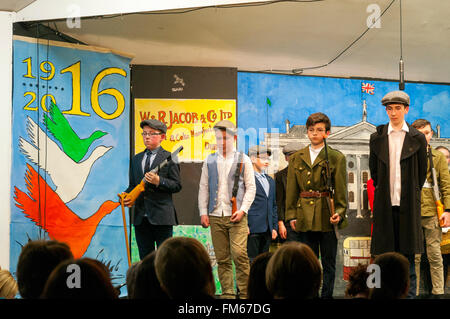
pixel 8 285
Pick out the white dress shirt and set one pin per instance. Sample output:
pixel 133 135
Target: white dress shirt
pixel 396 138
pixel 313 153
pixel 223 206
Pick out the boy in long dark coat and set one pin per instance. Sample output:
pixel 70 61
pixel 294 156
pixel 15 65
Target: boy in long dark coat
pixel 398 167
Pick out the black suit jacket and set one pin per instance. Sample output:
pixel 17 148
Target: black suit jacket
pixel 280 182
pixel 156 201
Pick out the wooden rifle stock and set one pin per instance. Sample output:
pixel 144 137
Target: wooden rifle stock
pixel 330 198
pixel 236 185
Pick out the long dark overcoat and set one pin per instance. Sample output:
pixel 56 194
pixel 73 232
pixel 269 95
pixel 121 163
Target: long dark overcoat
pixel 413 163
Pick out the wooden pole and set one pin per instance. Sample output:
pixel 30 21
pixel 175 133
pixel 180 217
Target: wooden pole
pixel 125 229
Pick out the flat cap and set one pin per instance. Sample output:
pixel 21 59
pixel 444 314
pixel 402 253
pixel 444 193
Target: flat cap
pixel 397 97
pixel 155 124
pixel 292 147
pixel 258 149
pixel 227 125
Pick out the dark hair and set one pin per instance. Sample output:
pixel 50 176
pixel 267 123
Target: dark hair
pixel 257 288
pixel 131 279
pixel 294 272
pixel 394 273
pixel 94 281
pixel 420 123
pixel 318 117
pixel 183 268
pixel 357 282
pixel 146 284
pixel 442 148
pixel 36 261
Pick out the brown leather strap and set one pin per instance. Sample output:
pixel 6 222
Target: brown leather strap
pixel 315 194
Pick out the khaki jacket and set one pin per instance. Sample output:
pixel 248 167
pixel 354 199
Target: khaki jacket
pixel 313 214
pixel 428 206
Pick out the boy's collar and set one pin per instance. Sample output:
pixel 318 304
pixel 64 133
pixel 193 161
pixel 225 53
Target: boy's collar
pixel 405 128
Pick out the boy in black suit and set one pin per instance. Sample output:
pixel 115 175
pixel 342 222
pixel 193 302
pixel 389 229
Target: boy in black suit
pixel 154 213
pixel 262 215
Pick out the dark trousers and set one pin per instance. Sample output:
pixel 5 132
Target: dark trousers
pixel 410 257
pixel 147 235
pixel 258 243
pixel 324 244
pixel 291 235
pixel 446 262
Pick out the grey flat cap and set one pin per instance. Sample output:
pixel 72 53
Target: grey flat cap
pixel 227 125
pixel 155 124
pixel 258 149
pixel 397 97
pixel 292 147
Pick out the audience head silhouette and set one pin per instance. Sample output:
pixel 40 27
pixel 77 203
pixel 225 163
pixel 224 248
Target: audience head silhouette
pixel 82 278
pixel 36 261
pixel 257 288
pixel 146 284
pixel 131 279
pixel 394 274
pixel 293 272
pixel 184 269
pixel 357 283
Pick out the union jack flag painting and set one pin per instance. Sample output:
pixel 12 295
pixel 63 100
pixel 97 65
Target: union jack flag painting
pixel 368 88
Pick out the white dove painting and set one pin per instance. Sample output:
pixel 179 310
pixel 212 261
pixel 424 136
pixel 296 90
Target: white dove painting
pixel 68 176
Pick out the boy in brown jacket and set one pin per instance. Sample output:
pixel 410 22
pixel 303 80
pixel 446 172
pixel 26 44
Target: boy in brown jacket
pixel 430 222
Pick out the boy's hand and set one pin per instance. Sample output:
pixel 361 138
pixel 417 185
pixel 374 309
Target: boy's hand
pixel 152 178
pixel 335 219
pixel 446 219
pixel 293 224
pixel 237 216
pixel 204 220
pixel 282 229
pixel 126 200
pixel 274 234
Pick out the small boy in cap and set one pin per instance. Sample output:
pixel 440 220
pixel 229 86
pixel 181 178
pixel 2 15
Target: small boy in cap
pixel 229 229
pixel 284 230
pixel 262 215
pixel 154 214
pixel 398 167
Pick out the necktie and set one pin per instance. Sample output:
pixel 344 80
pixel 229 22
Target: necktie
pixel 147 161
pixel 265 183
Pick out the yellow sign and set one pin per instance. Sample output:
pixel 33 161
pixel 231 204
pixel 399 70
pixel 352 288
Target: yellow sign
pixel 189 123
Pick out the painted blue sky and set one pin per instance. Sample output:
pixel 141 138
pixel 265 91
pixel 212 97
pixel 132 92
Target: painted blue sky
pixel 295 97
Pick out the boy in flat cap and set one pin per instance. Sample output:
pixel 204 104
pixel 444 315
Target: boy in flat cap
pixel 229 229
pixel 262 215
pixel 398 167
pixel 154 212
pixel 284 229
pixel 307 197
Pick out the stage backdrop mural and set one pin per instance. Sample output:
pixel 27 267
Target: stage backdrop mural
pixel 282 103
pixel 70 149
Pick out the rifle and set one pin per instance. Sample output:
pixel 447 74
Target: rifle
pixel 134 194
pixel 236 184
pixel 436 194
pixel 330 188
